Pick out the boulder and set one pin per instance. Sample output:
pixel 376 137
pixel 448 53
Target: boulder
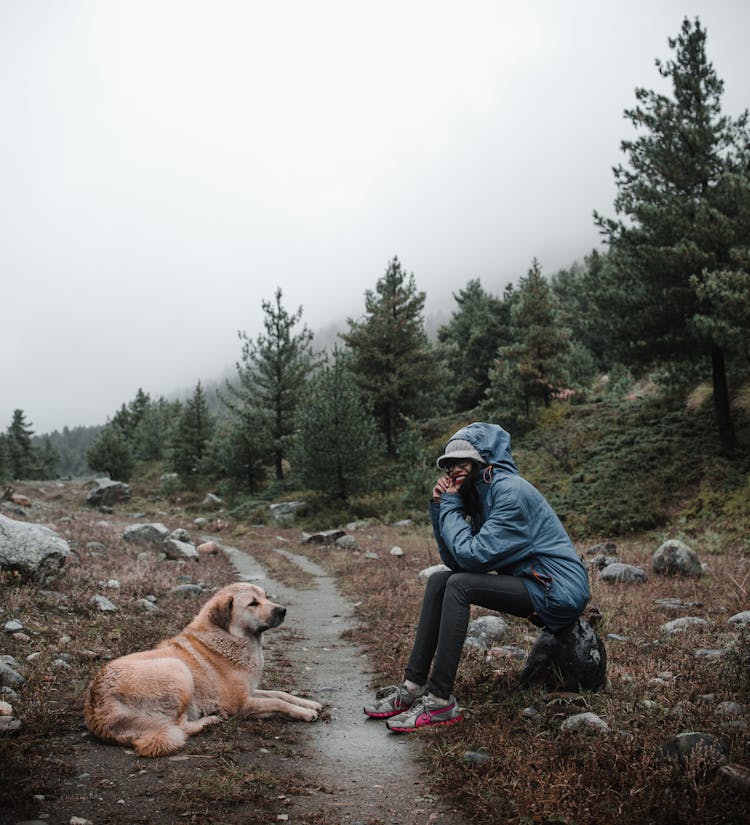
pixel 347 542
pixel 573 659
pixel 683 745
pixel 285 510
pixel 323 537
pixel 674 558
pixel 619 572
pixel 180 550
pixel 33 551
pixel 486 632
pixel 107 492
pixel 153 533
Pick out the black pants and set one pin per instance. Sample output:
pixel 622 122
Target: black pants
pixel 444 618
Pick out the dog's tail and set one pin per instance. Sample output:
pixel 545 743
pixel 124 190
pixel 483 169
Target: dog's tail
pixel 160 740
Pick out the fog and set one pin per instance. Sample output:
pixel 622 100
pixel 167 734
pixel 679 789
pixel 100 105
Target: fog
pixel 164 166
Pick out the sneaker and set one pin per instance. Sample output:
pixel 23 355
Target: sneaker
pixel 390 701
pixel 426 711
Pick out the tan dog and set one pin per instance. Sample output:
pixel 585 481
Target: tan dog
pixel 155 699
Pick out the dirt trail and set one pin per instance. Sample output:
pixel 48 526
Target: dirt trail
pixel 374 775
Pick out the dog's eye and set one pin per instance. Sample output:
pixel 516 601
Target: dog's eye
pixel 254 603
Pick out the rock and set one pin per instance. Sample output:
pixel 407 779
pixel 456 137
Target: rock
pixel 9 724
pixel 586 722
pixel 107 492
pixel 682 624
pixel 212 501
pixel 404 522
pixel 10 677
pixel 428 571
pixel 347 543
pixel 396 551
pixel 740 618
pixel 180 550
pixel 153 533
pixel 616 637
pixel 738 775
pixel 485 632
pixel 13 626
pixel 506 652
pixel 145 606
pixel 79 820
pixel 208 548
pixel 674 558
pixel 600 562
pixel 683 745
pixel 6 709
pixel 186 590
pixel 103 604
pixel 21 501
pixel 285 510
pixel 731 710
pixel 475 757
pixel 708 653
pixel 35 552
pixel 573 659
pixel 619 572
pixel 371 555
pixel 323 537
pixel 181 534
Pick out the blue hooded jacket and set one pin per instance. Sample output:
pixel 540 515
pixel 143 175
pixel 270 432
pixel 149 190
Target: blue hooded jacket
pixel 515 532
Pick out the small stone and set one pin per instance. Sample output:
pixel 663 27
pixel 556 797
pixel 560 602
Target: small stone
pixel 708 653
pixel 682 624
pixel 9 724
pixel 623 573
pixel 616 637
pixel 79 820
pixel 740 618
pixel 186 590
pixel 396 551
pixel 145 605
pixel 475 757
pixel 371 555
pixel 6 709
pixel 13 626
pixel 587 722
pixel 730 709
pixel 736 774
pixel 681 746
pixel 347 542
pixel 102 604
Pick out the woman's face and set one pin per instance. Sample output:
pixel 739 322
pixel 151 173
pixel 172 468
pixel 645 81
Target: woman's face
pixel 458 471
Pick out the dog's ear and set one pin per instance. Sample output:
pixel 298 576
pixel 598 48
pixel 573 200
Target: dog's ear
pixel 220 614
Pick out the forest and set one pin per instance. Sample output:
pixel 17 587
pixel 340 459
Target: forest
pixel 623 379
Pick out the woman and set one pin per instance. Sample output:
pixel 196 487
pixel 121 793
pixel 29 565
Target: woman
pixel 506 550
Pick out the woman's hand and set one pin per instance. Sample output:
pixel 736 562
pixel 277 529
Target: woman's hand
pixel 441 486
pixel 452 481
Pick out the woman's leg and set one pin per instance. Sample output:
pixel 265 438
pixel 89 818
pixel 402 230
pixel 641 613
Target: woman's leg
pixel 428 628
pixel 506 594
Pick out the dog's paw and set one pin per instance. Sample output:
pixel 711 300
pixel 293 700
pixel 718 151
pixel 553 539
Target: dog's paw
pixel 309 715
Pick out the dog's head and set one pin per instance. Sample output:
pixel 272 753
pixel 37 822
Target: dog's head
pixel 243 610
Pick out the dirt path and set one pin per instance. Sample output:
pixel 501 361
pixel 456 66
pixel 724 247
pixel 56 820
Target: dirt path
pixel 374 775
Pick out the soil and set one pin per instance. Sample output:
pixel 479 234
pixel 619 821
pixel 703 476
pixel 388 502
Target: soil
pixel 343 769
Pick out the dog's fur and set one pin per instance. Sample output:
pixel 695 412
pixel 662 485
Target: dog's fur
pixel 155 699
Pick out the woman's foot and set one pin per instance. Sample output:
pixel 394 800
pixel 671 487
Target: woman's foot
pixel 427 711
pixel 392 700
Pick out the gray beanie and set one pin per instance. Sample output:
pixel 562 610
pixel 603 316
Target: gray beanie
pixel 459 448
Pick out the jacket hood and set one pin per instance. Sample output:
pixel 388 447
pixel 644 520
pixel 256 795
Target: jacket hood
pixel 491 442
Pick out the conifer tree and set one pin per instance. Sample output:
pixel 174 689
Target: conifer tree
pixel 681 202
pixel 192 433
pixel 20 448
pixel 470 340
pixel 392 360
pixel 532 369
pixel 6 472
pixel 271 381
pixel 111 454
pixel 337 439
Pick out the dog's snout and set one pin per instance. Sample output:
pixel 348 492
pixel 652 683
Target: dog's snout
pixel 277 615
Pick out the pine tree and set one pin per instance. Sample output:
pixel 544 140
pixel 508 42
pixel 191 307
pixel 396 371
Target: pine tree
pixel 392 360
pixel 532 369
pixel 192 433
pixel 337 439
pixel 271 381
pixel 20 448
pixel 111 454
pixel 680 225
pixel 6 471
pixel 470 340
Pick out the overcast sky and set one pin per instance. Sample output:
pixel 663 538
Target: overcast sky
pixel 164 166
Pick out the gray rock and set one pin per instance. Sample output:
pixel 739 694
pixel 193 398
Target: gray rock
pixel 475 757
pixel 285 510
pixel 674 558
pixel 740 618
pixel 506 652
pixel 103 604
pixel 682 624
pixel 9 724
pixel 371 555
pixel 153 533
pixel 428 571
pixel 212 500
pixel 181 534
pixel 616 637
pixel 680 747
pixel 404 522
pixel 586 722
pixel 186 590
pixel 486 632
pixel 180 550
pixel 9 677
pixel 145 606
pixel 35 552
pixel 733 710
pixel 600 562
pixel 606 548
pixel 107 492
pixel 347 543
pixel 708 653
pixel 573 659
pixel 396 551
pixel 626 573
pixel 13 626
pixel 675 605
